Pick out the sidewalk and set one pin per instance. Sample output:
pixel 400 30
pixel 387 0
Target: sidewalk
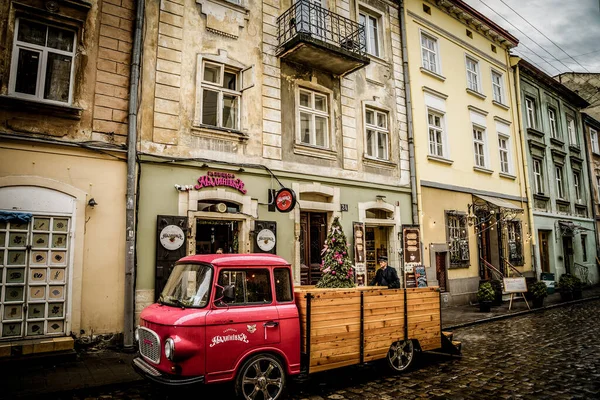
pixel 101 367
pixel 460 316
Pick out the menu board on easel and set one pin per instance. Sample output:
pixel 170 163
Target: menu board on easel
pixel 360 268
pixel 411 249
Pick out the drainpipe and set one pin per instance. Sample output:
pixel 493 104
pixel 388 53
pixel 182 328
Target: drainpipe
pixel 514 62
pixel 136 55
pixel 409 118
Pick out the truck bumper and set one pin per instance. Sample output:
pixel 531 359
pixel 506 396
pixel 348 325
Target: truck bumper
pixel 149 372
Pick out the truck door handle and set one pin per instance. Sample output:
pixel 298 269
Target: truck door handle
pixel 271 324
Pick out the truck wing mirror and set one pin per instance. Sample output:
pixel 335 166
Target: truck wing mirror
pixel 229 292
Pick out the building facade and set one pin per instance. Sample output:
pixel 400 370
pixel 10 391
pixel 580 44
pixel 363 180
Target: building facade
pixel 559 175
pixel 591 129
pixel 587 86
pixel 470 183
pixel 64 71
pixel 242 99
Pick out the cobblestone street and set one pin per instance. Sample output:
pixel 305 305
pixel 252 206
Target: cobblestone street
pixel 552 354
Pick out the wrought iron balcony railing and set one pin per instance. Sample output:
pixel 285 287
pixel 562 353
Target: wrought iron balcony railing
pixel 306 20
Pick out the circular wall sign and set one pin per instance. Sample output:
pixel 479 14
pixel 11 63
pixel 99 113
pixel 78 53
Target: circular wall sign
pixel 172 237
pixel 265 240
pixel 285 200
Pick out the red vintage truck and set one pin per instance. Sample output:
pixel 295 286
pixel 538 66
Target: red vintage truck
pixel 237 317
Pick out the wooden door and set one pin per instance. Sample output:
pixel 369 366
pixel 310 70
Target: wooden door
pixel 313 231
pixel 568 253
pixel 484 247
pixel 440 270
pixel 165 258
pixel 544 251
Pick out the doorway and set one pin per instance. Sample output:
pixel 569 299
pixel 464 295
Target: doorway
pixel 313 232
pixel 215 235
pixel 543 238
pixel 440 270
pixel 568 253
pixel 484 239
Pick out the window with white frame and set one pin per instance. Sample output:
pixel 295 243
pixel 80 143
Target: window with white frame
pixel 504 152
pixel 43 61
pixel 220 96
pixel 594 140
pixel 371 24
pixel 572 131
pixel 577 185
pixel 473 74
pixel 560 183
pixel 313 118
pixel 553 124
pixel 497 87
pixel 479 146
pixel 436 134
pixel 377 133
pixel 530 113
pixel 538 176
pixel 429 53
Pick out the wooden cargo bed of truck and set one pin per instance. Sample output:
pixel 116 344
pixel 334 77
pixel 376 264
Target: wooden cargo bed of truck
pixel 341 327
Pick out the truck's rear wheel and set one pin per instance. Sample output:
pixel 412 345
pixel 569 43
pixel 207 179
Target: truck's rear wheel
pixel 401 355
pixel 262 377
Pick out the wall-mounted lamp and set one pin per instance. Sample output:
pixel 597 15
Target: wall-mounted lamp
pixel 241 170
pixel 380 197
pixel 92 203
pixel 205 165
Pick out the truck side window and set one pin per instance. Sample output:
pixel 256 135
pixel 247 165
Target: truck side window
pixel 252 286
pixel 283 285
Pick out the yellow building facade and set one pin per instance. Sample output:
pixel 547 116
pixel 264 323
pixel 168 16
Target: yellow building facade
pixel 469 171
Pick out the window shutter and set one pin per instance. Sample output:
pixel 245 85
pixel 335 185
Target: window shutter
pixel 247 78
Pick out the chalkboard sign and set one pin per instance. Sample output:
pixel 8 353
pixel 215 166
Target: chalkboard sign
pixel 515 285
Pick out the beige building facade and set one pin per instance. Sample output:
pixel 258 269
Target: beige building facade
pixel 470 183
pixel 64 76
pixel 271 93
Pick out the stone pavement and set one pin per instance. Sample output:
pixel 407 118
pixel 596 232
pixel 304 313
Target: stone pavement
pixel 96 369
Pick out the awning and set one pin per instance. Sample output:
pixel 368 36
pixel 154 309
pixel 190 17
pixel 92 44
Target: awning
pixel 499 202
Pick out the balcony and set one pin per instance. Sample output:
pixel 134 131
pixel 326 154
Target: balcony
pixel 311 35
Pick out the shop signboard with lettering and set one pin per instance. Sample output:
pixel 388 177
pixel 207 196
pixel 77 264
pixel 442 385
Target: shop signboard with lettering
pixel 359 253
pixel 215 179
pixel 411 244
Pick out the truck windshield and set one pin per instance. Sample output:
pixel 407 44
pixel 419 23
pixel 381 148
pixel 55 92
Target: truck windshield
pixel 188 286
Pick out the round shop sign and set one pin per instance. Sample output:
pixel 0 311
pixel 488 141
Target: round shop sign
pixel 285 200
pixel 172 237
pixel 265 240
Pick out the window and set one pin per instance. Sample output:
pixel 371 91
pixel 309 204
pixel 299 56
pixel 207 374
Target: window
pixel 497 87
pixel 458 238
pixel 594 140
pixel 572 132
pixel 251 286
pixel 493 48
pixel 479 146
pixel 577 185
pixel 504 154
pixel 314 118
pixel 598 183
pixel 469 34
pixel 515 244
pixel 42 62
pixel 553 125
pixel 584 248
pixel 371 25
pixel 429 53
pixel 473 74
pixel 531 117
pixel 427 9
pixel 436 134
pixel 283 285
pixel 560 184
pixel 377 133
pixel 220 97
pixel 538 177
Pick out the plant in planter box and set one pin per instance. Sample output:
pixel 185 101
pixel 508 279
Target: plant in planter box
pixel 566 284
pixel 538 291
pixel 485 295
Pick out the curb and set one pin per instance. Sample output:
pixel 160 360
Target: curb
pixel 519 313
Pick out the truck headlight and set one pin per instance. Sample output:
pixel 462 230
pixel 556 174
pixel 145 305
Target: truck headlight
pixel 137 334
pixel 170 349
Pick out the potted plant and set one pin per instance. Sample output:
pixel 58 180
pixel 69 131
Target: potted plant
pixel 577 285
pixel 538 291
pixel 566 284
pixel 485 295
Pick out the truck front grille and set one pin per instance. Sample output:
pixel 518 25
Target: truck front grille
pixel 149 345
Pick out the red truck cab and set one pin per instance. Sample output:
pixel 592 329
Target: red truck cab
pixel 223 317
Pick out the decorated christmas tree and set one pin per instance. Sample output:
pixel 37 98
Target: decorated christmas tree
pixel 336 267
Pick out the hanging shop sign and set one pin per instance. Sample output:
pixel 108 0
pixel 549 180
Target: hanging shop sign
pixel 215 179
pixel 171 237
pixel 411 245
pixel 265 240
pixel 285 200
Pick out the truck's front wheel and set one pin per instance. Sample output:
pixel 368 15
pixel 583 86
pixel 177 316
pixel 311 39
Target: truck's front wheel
pixel 262 377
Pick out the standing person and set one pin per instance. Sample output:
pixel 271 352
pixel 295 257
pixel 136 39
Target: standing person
pixel 385 276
